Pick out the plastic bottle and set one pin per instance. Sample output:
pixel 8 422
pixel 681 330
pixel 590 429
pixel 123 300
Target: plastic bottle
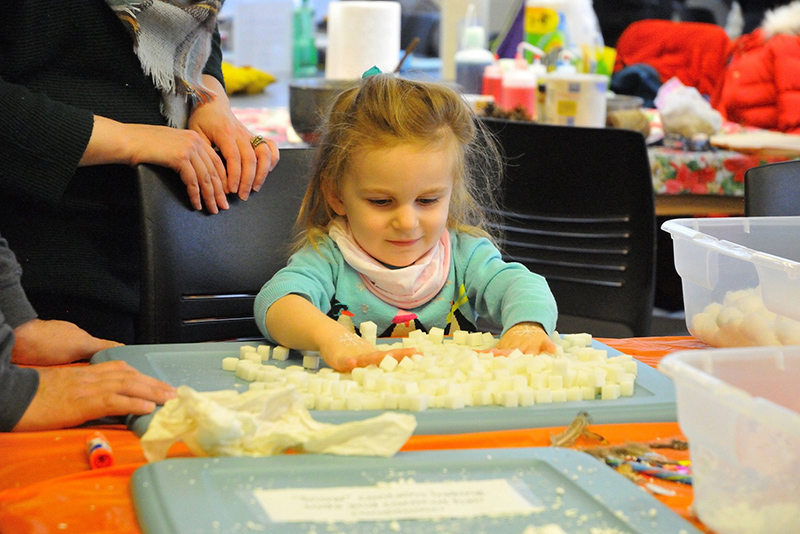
pixel 304 49
pixel 539 70
pixel 493 82
pixel 473 58
pixel 519 88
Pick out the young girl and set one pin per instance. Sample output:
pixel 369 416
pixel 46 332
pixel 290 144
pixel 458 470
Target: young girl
pixel 394 232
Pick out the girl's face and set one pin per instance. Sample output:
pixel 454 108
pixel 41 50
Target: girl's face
pixel 397 199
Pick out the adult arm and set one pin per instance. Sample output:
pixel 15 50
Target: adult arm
pixel 45 141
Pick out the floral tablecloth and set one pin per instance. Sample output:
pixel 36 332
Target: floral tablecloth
pixel 708 172
pixel 718 172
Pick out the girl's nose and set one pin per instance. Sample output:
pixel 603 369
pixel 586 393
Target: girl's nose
pixel 405 218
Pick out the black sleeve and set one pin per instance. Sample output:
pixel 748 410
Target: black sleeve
pixel 17 386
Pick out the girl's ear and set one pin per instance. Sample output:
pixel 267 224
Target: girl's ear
pixel 335 202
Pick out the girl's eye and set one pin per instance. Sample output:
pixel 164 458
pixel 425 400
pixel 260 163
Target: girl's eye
pixel 428 201
pixel 379 201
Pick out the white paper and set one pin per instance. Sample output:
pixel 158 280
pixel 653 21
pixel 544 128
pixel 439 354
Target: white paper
pixel 362 34
pixel 395 501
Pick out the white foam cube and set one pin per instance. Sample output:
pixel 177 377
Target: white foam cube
pixel 609 392
pixel 323 402
pixel 368 329
pixel 574 394
pixel 245 349
pixel 527 397
pixel 229 364
pixel 310 362
pixel 436 335
pixel 510 399
pixel 390 401
pixel 388 363
pixel 626 388
pixel 280 353
pixel 559 395
pixel 589 393
pixel 544 396
pixel 354 402
pixel 264 351
pixel 460 337
pixel 555 382
pixel 452 402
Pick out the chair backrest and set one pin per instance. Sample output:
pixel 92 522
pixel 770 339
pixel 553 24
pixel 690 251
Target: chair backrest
pixel 772 189
pixel 201 272
pixel 578 208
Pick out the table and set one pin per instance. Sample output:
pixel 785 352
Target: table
pixel 46 484
pixel 701 183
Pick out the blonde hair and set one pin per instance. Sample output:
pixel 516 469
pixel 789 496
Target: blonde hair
pixel 384 111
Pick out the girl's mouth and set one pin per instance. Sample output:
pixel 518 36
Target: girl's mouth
pixel 405 243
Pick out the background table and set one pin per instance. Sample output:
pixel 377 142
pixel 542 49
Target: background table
pixel 46 484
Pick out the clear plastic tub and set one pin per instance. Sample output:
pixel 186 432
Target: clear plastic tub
pixel 741 278
pixel 740 410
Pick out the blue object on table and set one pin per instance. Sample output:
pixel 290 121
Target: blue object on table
pixel 576 491
pixel 199 365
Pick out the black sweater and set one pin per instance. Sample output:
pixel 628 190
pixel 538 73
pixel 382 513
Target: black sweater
pixel 74 230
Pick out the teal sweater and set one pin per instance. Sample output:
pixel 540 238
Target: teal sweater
pixel 480 284
pixel 74 230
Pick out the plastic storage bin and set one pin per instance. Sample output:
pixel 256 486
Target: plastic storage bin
pixel 740 411
pixel 741 279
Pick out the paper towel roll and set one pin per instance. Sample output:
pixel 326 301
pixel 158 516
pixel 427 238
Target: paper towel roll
pixel 361 34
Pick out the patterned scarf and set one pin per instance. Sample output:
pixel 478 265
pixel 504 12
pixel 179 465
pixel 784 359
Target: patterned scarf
pixel 172 39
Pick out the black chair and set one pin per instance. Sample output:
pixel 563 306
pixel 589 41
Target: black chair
pixel 772 189
pixel 578 208
pixel 201 272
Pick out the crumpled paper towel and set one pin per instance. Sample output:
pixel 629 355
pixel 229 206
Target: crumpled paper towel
pixel 684 110
pixel 263 423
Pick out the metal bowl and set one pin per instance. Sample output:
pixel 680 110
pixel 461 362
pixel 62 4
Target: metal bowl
pixel 309 99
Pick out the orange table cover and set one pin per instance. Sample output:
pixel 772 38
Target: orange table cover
pixel 46 484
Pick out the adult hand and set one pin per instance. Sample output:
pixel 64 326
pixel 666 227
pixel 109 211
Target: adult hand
pixel 247 166
pixel 185 151
pixel 349 351
pixel 41 342
pixel 530 338
pixel 69 396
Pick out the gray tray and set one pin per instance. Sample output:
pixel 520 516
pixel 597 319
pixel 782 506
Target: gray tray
pixel 578 492
pixel 199 365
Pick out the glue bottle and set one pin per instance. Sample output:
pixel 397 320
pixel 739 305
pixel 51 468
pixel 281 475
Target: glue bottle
pixel 473 58
pixel 520 88
pixel 304 49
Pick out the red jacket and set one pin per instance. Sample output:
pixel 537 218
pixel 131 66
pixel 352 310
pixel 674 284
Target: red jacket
pixel 694 52
pixel 762 82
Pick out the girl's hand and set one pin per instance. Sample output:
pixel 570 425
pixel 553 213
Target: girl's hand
pixel 530 338
pixel 349 351
pixel 247 166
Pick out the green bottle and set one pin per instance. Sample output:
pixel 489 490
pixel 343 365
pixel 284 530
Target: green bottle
pixel 304 48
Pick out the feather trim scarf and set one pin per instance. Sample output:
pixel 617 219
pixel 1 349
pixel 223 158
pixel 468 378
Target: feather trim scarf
pixel 172 39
